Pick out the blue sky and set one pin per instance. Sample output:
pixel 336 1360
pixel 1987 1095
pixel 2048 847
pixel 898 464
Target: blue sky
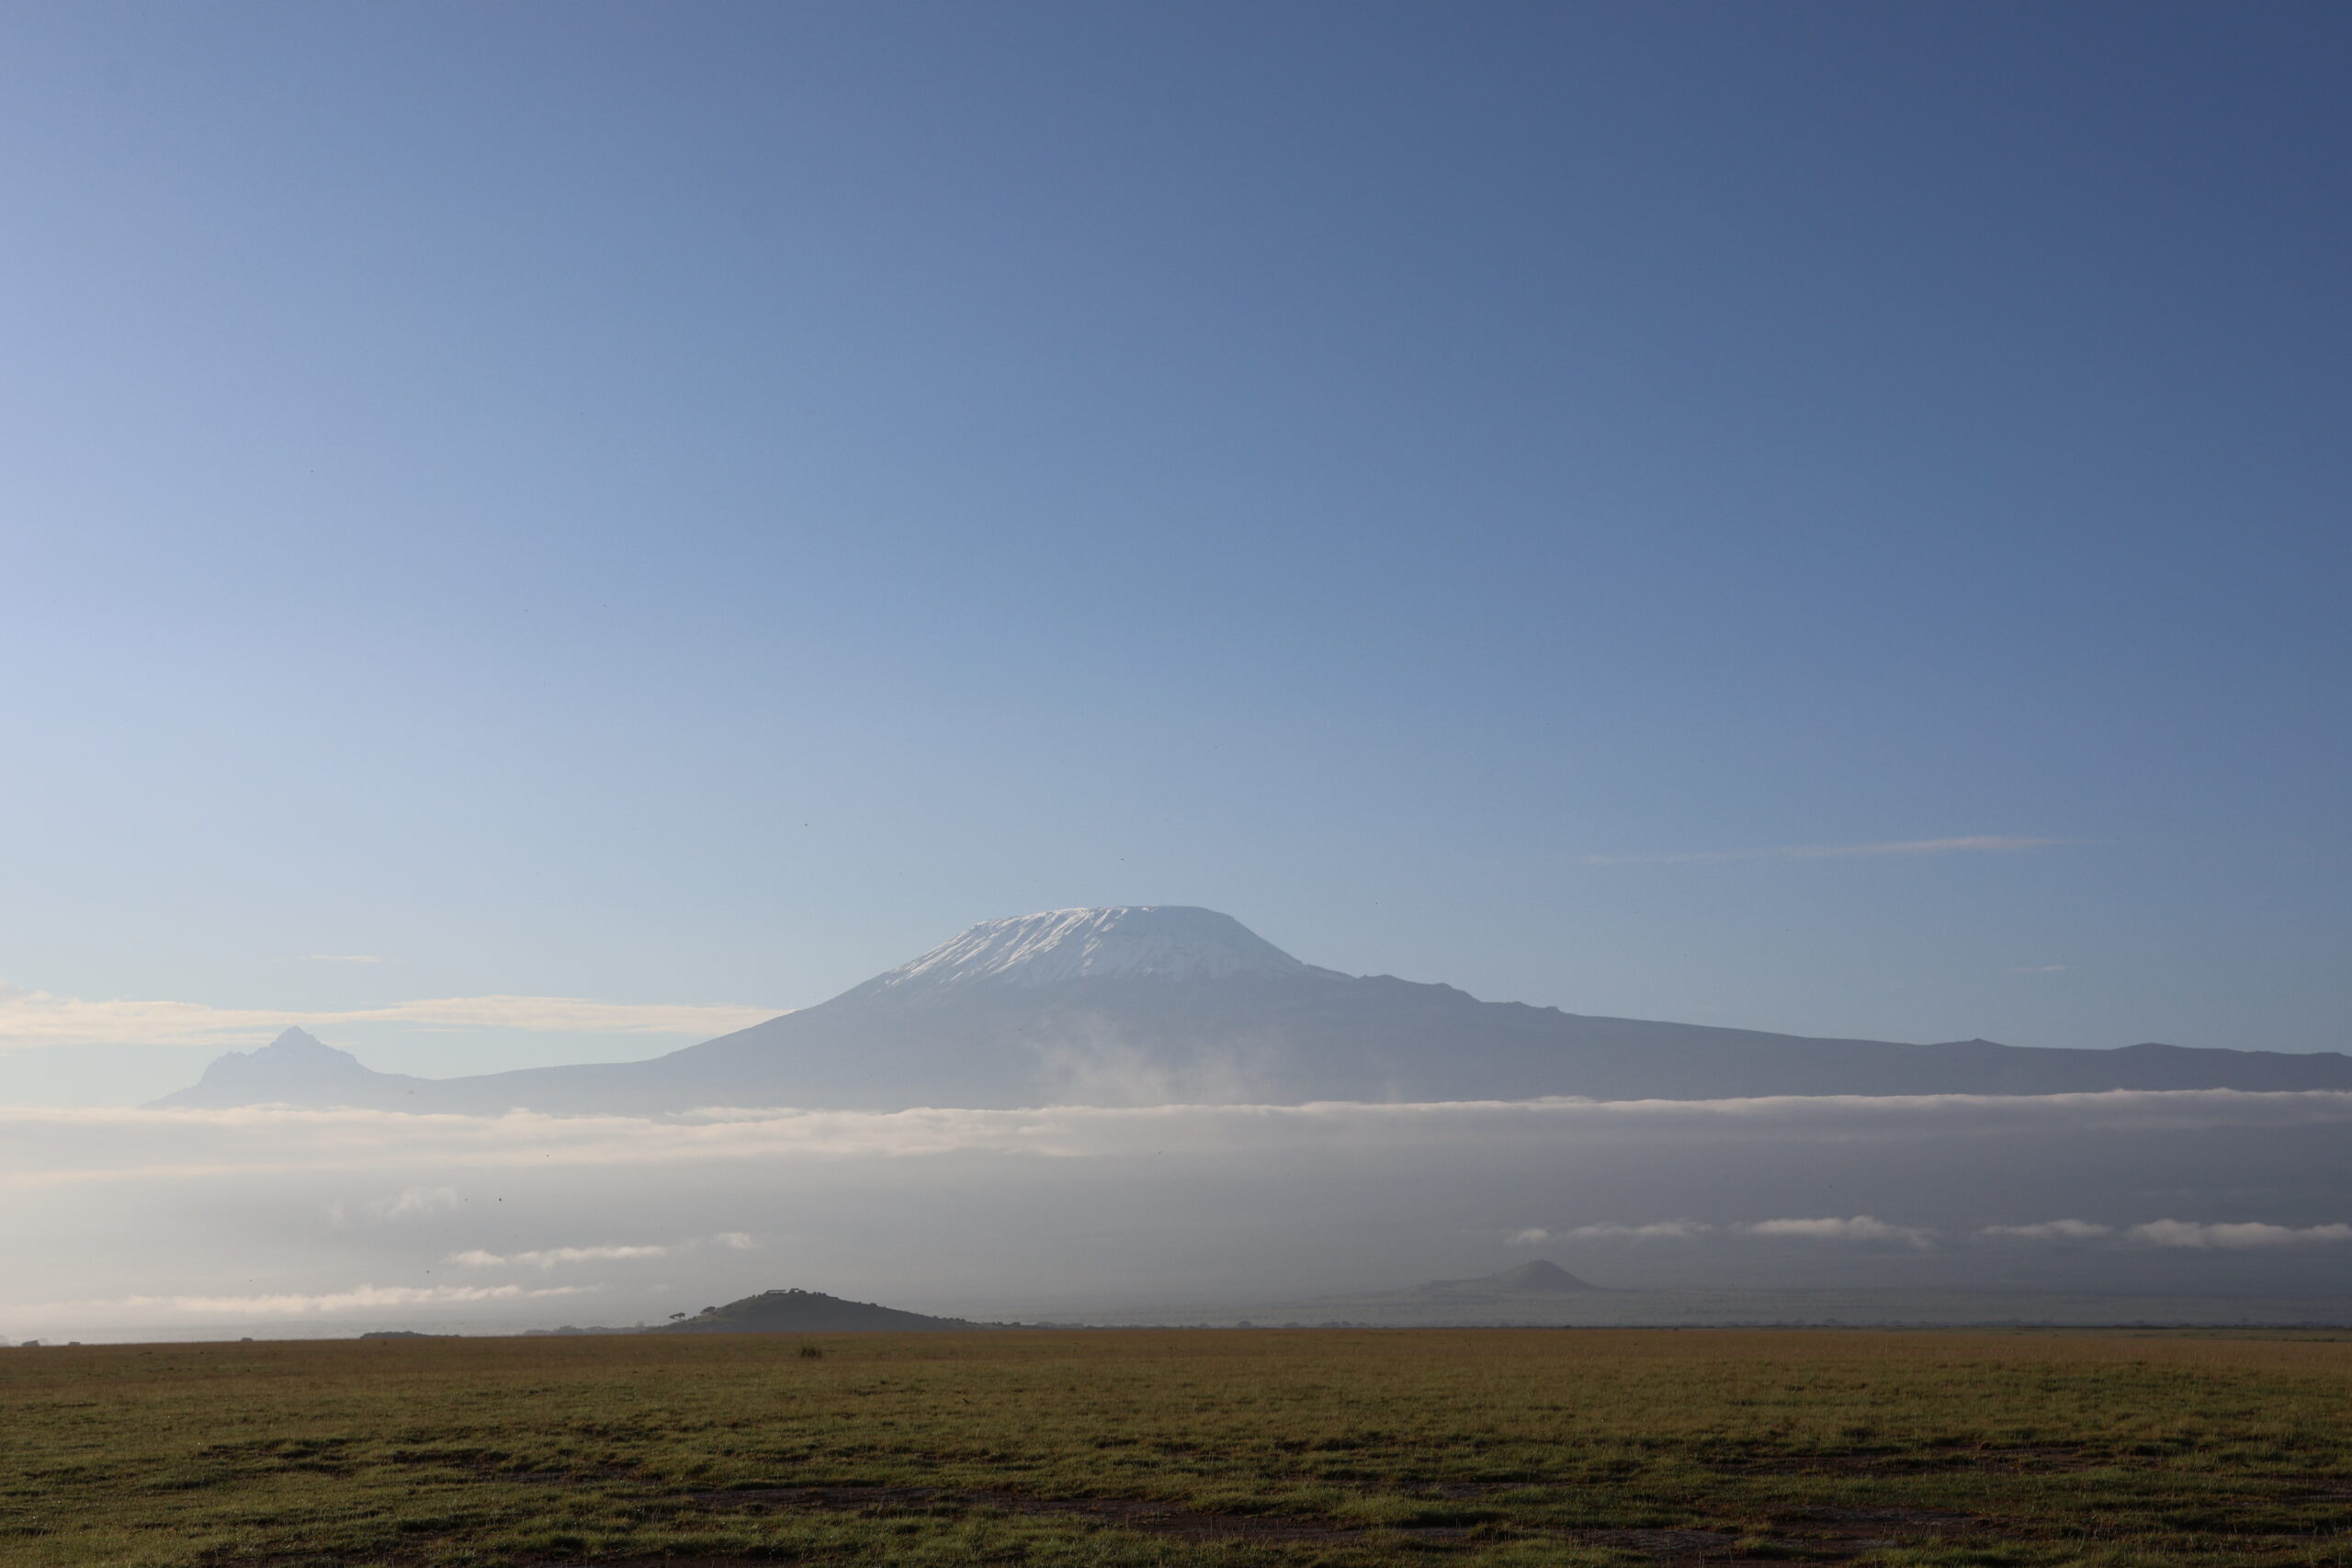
pixel 690 504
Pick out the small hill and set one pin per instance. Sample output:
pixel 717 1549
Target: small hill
pixel 1539 1277
pixel 1539 1274
pixel 803 1311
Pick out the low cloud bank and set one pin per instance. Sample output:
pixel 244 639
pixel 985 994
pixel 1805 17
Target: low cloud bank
pixel 127 1217
pixel 42 1146
pixel 30 1018
pixel 1868 1228
pixel 357 1298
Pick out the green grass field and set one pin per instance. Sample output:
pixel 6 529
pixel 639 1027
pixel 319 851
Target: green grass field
pixel 1176 1449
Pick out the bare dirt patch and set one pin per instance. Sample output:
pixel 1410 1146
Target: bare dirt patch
pixel 1849 1532
pixel 1930 1462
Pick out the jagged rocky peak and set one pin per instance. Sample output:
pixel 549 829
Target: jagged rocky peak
pixel 297 1042
pixel 295 1051
pixel 1126 941
pixel 296 1066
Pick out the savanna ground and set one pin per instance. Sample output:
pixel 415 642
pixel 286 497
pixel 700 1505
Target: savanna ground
pixel 1486 1449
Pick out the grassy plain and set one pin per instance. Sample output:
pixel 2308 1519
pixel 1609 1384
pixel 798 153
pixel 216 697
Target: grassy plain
pixel 1488 1448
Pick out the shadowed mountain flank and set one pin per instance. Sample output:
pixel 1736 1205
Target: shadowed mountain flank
pixel 1136 1005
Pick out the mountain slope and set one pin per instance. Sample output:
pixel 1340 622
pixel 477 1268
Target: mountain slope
pixel 1150 1005
pixel 295 1069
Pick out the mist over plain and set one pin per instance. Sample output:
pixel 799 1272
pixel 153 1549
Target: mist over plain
pixel 324 1221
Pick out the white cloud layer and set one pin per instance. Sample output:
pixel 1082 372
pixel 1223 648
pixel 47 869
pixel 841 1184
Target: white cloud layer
pixel 1980 843
pixel 30 1018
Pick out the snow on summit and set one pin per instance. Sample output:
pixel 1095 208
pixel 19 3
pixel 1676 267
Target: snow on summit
pixel 1160 942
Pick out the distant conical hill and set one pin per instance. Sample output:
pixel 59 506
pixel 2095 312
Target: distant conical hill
pixel 1539 1277
pixel 804 1311
pixel 296 1068
pixel 1159 1004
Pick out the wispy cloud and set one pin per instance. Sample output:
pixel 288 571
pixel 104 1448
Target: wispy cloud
pixel 618 1251
pixel 30 1018
pixel 1658 1230
pixel 2051 1230
pixel 406 1204
pixel 2183 1233
pixel 1613 1230
pixel 1850 1228
pixel 356 1298
pixel 611 1252
pixel 2226 1235
pixel 1981 843
pixel 1857 1227
pixel 410 1201
pixel 555 1257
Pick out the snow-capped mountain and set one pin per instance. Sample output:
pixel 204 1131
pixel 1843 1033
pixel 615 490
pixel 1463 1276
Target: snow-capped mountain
pixel 1153 1004
pixel 1126 941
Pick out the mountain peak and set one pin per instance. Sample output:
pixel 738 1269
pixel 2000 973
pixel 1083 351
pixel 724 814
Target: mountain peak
pixel 297 1067
pixel 1156 942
